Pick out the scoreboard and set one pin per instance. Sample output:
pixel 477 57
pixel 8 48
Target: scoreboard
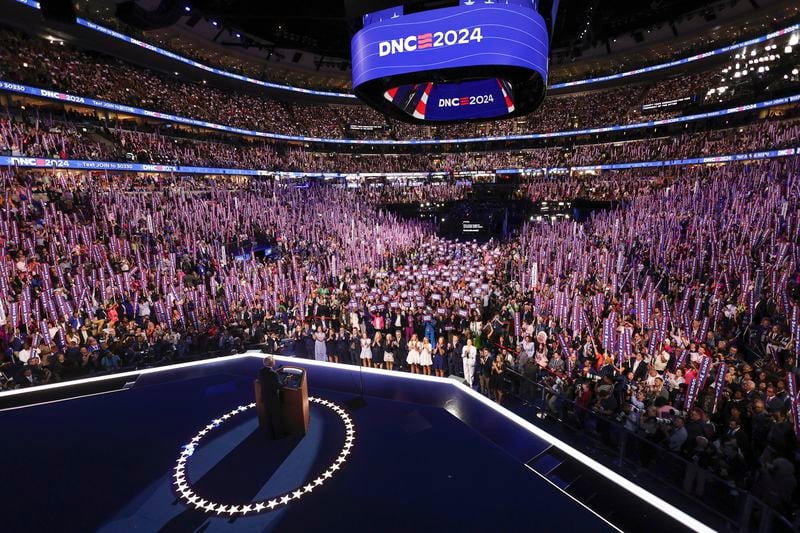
pixel 478 60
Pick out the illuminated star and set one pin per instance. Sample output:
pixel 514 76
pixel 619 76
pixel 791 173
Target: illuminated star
pixel 259 507
pixel 296 494
pixel 308 488
pixel 335 467
pixel 272 504
pixel 285 499
pixel 319 481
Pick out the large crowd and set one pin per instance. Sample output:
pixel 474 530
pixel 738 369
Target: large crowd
pixel 42 63
pixel 31 133
pixel 674 313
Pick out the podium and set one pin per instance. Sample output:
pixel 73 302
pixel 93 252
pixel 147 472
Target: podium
pixel 293 400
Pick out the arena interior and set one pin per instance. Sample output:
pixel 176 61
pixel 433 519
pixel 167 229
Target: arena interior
pixel 526 265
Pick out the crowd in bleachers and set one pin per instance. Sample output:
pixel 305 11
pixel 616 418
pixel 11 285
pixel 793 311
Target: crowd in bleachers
pixel 26 133
pixel 39 62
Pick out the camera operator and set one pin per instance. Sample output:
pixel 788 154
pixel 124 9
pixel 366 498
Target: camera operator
pixel 677 435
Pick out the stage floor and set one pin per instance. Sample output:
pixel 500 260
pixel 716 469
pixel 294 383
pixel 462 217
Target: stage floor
pixel 105 462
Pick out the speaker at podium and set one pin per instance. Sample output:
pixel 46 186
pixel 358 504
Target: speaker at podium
pixel 282 400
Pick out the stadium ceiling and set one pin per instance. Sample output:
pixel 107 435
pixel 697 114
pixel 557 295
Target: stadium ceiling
pixel 325 26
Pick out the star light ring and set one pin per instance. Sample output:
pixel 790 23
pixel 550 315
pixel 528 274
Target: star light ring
pixel 186 494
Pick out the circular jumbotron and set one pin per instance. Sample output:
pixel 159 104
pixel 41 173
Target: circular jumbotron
pixel 476 61
pixel 187 495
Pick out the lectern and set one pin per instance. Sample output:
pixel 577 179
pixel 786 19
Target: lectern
pixel 293 399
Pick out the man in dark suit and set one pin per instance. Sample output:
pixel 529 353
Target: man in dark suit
pixel 638 367
pixel 271 396
pixel 454 362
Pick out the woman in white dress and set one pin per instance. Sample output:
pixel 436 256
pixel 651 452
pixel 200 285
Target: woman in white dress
pixel 320 350
pixel 366 350
pixel 413 354
pixel 425 359
pixel 389 349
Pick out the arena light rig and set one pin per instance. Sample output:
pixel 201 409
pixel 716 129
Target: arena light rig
pixel 478 60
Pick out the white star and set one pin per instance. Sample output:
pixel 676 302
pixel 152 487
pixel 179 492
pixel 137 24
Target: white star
pixel 285 499
pixel 210 507
pixel 246 509
pixel 259 507
pixel 233 509
pixel 319 481
pixel 308 488
pixel 193 498
pixel 296 494
pixel 327 474
pixel 221 509
pixel 201 503
pixel 335 467
pixel 272 504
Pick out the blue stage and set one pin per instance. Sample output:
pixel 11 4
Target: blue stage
pixel 428 454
